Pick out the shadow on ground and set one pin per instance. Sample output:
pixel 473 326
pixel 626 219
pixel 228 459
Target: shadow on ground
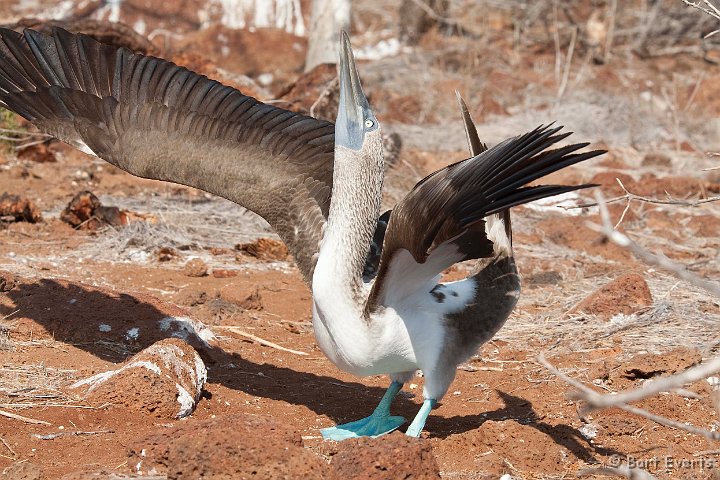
pixel 103 322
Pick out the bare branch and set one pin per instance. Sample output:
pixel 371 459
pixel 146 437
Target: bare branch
pixel 658 260
pixel 259 340
pixel 631 196
pixel 594 400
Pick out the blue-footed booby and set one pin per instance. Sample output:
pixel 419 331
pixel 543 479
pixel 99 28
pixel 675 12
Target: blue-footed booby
pixel 379 306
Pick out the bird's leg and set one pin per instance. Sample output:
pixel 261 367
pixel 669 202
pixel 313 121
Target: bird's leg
pixel 377 424
pixel 419 422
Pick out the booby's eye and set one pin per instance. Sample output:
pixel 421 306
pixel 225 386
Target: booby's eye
pixel 369 123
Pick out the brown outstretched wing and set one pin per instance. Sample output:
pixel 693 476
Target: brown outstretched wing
pixel 157 120
pixel 448 207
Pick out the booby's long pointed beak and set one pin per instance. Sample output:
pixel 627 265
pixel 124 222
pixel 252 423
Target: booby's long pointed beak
pixel 353 108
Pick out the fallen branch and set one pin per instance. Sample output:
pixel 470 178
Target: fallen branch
pixel 7 445
pixel 261 341
pixel 659 260
pixel 53 436
pixel 711 10
pixel 15 416
pixel 594 400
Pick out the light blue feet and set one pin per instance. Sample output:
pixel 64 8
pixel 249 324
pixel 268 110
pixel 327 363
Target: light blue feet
pixel 372 426
pixel 419 422
pixel 377 424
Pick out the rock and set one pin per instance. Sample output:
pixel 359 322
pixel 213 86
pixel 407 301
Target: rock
pixel 164 380
pixel 86 212
pixel 19 209
pixel 228 447
pixel 112 33
pixel 315 92
pixel 656 159
pixel 224 273
pixel 8 281
pixel 247 298
pixel 165 254
pixel 195 267
pixel 265 249
pixel 392 456
pixel 626 294
pixel 648 365
pixel 38 153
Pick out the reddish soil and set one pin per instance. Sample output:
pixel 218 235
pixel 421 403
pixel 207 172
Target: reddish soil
pixel 78 302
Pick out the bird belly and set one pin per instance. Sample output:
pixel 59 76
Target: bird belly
pixel 366 351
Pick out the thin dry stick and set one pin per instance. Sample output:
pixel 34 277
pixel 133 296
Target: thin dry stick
pixel 53 436
pixel 323 95
pixel 261 341
pixel 8 447
pixel 712 11
pixel 15 416
pixel 610 31
pixel 631 196
pixel 659 260
pixel 592 399
pixel 568 63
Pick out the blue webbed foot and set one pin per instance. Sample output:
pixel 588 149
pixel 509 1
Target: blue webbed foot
pixel 377 424
pixel 372 426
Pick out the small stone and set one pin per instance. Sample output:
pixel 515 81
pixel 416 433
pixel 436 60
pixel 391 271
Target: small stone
pixel 224 273
pixel 195 267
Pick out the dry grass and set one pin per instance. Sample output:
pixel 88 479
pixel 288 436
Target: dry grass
pixel 26 386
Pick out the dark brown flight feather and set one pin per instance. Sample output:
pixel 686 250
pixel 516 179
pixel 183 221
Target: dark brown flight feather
pixel 449 205
pixel 157 120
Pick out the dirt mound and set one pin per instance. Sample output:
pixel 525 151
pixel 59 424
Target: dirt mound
pixel 21 471
pixel 229 447
pixel 165 380
pixel 568 232
pixel 259 447
pixel 650 365
pixel 626 294
pixel 393 456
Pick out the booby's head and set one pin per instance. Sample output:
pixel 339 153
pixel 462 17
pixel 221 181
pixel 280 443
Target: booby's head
pixel 355 118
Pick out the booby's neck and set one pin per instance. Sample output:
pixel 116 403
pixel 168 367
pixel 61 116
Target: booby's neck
pixel 354 210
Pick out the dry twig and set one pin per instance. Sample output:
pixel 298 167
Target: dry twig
pixel 15 416
pixel 658 260
pixel 594 400
pixel 710 9
pixel 631 196
pixel 53 436
pixel 261 341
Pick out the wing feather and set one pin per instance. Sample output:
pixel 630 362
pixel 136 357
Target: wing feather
pixel 448 207
pixel 157 120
